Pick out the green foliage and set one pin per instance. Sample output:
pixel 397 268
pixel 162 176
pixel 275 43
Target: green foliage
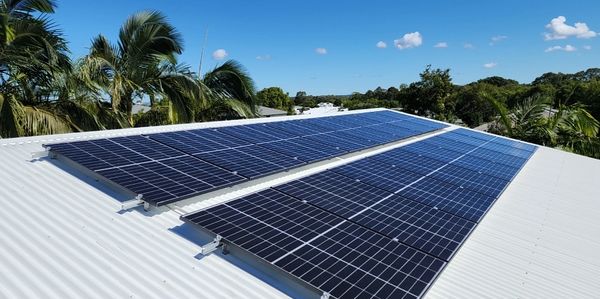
pixel 431 95
pixel 274 97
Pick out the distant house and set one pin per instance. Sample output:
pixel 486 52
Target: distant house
pixel 270 112
pixel 322 108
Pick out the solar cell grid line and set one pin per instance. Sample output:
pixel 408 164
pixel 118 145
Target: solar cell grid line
pixel 188 142
pixel 330 254
pixel 399 134
pixel 293 128
pixel 338 194
pixel 404 125
pixel 515 144
pixel 333 140
pixel 498 157
pixel 279 134
pixel 371 134
pixel 219 137
pixel 304 149
pixel 486 166
pixel 450 144
pixel 432 151
pixel 378 173
pixel 162 182
pixel 420 226
pixel 249 133
pixel 409 161
pixel 108 153
pixel 431 230
pixel 461 202
pixel 508 150
pixel 477 135
pixel 251 161
pixel 454 137
pixel 473 180
pixel 326 122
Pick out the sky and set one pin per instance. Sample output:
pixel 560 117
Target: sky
pixel 340 47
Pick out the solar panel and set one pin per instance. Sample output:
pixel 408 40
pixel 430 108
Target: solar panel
pixel 334 140
pixel 423 227
pixel 251 161
pixel 165 181
pixel 251 133
pixel 198 141
pixel 304 149
pixel 449 198
pixel 409 161
pixel 114 152
pixel 232 152
pixel 486 166
pixel 327 252
pixel 470 179
pixel 378 173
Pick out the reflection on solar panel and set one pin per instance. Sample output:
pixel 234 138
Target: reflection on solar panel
pixel 425 198
pixel 323 250
pixel 237 152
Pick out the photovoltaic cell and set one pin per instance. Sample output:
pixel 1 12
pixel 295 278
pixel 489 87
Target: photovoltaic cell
pixel 449 198
pixel 304 149
pixel 251 161
pixel 165 181
pixel 325 251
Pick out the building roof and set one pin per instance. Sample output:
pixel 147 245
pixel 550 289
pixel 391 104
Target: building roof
pixel 268 111
pixel 65 235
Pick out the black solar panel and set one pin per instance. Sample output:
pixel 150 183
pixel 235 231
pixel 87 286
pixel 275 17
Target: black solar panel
pixel 450 198
pixel 304 149
pixel 251 161
pixel 169 180
pixel 319 248
pixel 247 151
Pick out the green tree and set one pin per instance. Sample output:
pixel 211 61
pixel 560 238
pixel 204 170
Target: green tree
pixel 142 64
pixel 473 102
pixel 274 97
pixel 429 96
pixel 570 128
pixel 38 92
pixel 226 92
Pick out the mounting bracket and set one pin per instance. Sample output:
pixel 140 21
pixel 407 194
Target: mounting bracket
pixel 212 246
pixel 325 295
pixel 137 201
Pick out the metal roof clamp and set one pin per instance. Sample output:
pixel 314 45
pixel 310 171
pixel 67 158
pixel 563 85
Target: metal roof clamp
pixel 212 246
pixel 137 201
pixel 42 154
pixel 325 295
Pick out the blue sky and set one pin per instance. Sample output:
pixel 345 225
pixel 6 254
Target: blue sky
pixel 330 47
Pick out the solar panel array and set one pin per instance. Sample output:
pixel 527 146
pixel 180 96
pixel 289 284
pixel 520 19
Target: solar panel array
pixel 379 227
pixel 167 167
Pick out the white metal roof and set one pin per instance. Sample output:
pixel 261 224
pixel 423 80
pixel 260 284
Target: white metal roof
pixel 64 235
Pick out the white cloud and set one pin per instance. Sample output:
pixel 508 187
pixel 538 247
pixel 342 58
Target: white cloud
pixel 263 57
pixel 490 65
pixel 441 45
pixel 321 51
pixel 496 39
pixel 560 30
pixel 567 48
pixel 468 46
pixel 381 44
pixel 587 47
pixel 409 40
pixel 219 54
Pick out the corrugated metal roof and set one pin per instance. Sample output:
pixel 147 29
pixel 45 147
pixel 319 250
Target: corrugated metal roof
pixel 63 235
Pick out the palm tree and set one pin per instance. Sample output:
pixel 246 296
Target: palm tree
pixel 32 53
pixel 142 64
pixel 226 92
pixel 570 127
